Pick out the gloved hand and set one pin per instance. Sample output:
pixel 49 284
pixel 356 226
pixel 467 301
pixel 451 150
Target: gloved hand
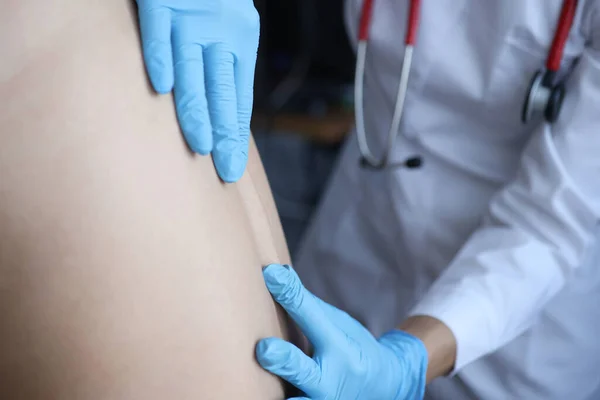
pixel 349 363
pixel 207 50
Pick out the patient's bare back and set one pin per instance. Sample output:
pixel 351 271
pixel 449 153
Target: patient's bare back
pixel 127 269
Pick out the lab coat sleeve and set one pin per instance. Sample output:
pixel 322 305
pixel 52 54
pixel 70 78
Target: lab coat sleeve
pixel 538 230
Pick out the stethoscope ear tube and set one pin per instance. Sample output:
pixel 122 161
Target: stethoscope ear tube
pixel 367 157
pixel 413 162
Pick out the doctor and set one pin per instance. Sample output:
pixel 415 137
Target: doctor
pixel 471 254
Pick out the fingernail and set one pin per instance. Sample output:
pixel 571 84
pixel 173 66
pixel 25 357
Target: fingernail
pixel 268 353
pixel 193 126
pixel 230 166
pixel 276 274
pixel 161 84
pixel 160 75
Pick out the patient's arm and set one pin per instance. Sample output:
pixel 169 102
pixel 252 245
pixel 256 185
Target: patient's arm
pixel 127 269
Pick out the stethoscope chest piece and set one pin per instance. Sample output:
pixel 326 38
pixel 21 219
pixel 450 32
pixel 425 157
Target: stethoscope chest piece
pixel 543 98
pixel 545 95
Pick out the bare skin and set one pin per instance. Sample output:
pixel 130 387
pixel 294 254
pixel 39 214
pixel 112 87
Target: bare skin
pixel 438 340
pixel 128 270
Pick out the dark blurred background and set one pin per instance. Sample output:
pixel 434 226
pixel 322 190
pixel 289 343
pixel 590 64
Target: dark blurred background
pixel 303 102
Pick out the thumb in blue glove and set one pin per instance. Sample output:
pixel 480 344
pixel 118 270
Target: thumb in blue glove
pixel 207 50
pixel 349 363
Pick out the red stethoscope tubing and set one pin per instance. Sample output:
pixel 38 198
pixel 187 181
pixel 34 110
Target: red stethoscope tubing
pixel 565 23
pixel 554 56
pixel 411 30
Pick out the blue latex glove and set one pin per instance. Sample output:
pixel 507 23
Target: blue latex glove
pixel 207 50
pixel 349 363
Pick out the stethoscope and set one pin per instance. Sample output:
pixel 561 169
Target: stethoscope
pixel 544 96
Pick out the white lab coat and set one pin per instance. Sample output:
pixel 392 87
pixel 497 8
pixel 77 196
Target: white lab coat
pixel 496 235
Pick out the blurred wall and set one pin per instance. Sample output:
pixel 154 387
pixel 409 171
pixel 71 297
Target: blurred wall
pixel 304 72
pixel 294 31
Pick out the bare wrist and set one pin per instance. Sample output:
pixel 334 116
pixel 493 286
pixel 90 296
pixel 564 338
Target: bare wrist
pixel 438 340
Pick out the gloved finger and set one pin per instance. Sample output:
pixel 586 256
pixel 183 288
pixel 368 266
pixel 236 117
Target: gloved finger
pixel 352 327
pixel 244 86
pixel 304 307
pixel 190 95
pixel 290 363
pixel 155 28
pixel 222 105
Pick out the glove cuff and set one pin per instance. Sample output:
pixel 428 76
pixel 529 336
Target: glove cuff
pixel 411 354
